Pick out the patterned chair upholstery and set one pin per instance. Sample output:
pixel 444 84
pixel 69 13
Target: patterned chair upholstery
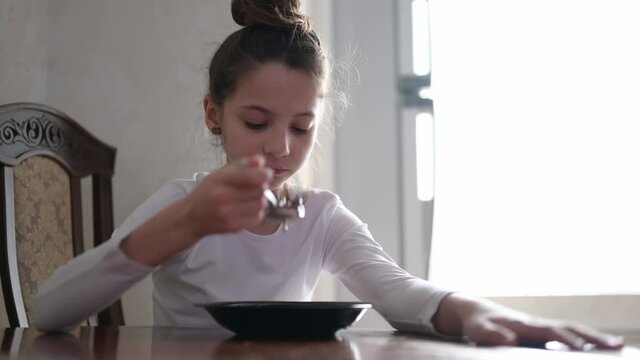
pixel 43 156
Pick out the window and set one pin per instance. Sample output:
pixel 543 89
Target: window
pixel 533 104
pixel 537 150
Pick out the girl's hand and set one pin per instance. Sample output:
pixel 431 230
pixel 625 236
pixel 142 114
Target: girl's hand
pixel 487 323
pixel 226 200
pixel 230 199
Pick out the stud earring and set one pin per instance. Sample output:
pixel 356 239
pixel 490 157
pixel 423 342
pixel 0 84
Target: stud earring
pixel 216 131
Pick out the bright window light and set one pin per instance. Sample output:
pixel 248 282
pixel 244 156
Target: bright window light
pixel 420 31
pixel 424 93
pixel 424 156
pixel 537 151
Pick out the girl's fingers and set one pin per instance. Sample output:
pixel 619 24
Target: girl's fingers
pixel 236 213
pixel 245 173
pixel 567 337
pixel 597 338
pixel 536 333
pixel 247 208
pixel 248 194
pixel 232 197
pixel 252 168
pixel 255 161
pixel 575 336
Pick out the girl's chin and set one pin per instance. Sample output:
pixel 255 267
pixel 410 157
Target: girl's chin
pixel 277 183
pixel 274 186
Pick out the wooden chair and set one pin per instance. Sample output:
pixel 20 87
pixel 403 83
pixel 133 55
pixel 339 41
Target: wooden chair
pixel 43 156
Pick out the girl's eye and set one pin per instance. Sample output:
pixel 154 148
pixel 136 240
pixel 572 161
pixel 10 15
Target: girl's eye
pixel 254 126
pixel 299 130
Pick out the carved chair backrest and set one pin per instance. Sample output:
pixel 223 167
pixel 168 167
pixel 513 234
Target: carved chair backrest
pixel 44 154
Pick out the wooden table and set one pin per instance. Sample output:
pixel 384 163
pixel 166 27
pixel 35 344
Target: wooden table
pixel 180 343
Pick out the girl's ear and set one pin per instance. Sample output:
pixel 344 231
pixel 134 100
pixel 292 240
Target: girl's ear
pixel 212 113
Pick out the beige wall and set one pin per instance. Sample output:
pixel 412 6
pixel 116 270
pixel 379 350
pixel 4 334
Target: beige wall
pixel 131 72
pixel 23 58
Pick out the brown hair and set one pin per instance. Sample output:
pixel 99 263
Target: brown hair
pixel 274 31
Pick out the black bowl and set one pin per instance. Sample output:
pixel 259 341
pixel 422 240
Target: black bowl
pixel 286 320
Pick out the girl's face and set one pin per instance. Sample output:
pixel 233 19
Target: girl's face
pixel 273 112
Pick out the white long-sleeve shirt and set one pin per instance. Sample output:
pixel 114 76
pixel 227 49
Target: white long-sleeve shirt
pixel 242 266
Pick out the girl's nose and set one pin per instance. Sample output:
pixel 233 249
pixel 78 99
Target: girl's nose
pixel 277 144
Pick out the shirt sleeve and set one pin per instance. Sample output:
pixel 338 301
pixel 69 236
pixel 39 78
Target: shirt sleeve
pixel 95 279
pixel 408 303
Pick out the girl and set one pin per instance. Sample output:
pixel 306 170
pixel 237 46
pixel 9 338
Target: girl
pixel 207 239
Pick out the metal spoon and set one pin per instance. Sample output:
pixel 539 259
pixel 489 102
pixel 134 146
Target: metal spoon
pixel 284 209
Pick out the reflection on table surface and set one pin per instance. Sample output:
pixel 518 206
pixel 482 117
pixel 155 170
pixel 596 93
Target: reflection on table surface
pixel 184 343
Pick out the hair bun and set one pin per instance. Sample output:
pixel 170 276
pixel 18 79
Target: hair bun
pixel 278 13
